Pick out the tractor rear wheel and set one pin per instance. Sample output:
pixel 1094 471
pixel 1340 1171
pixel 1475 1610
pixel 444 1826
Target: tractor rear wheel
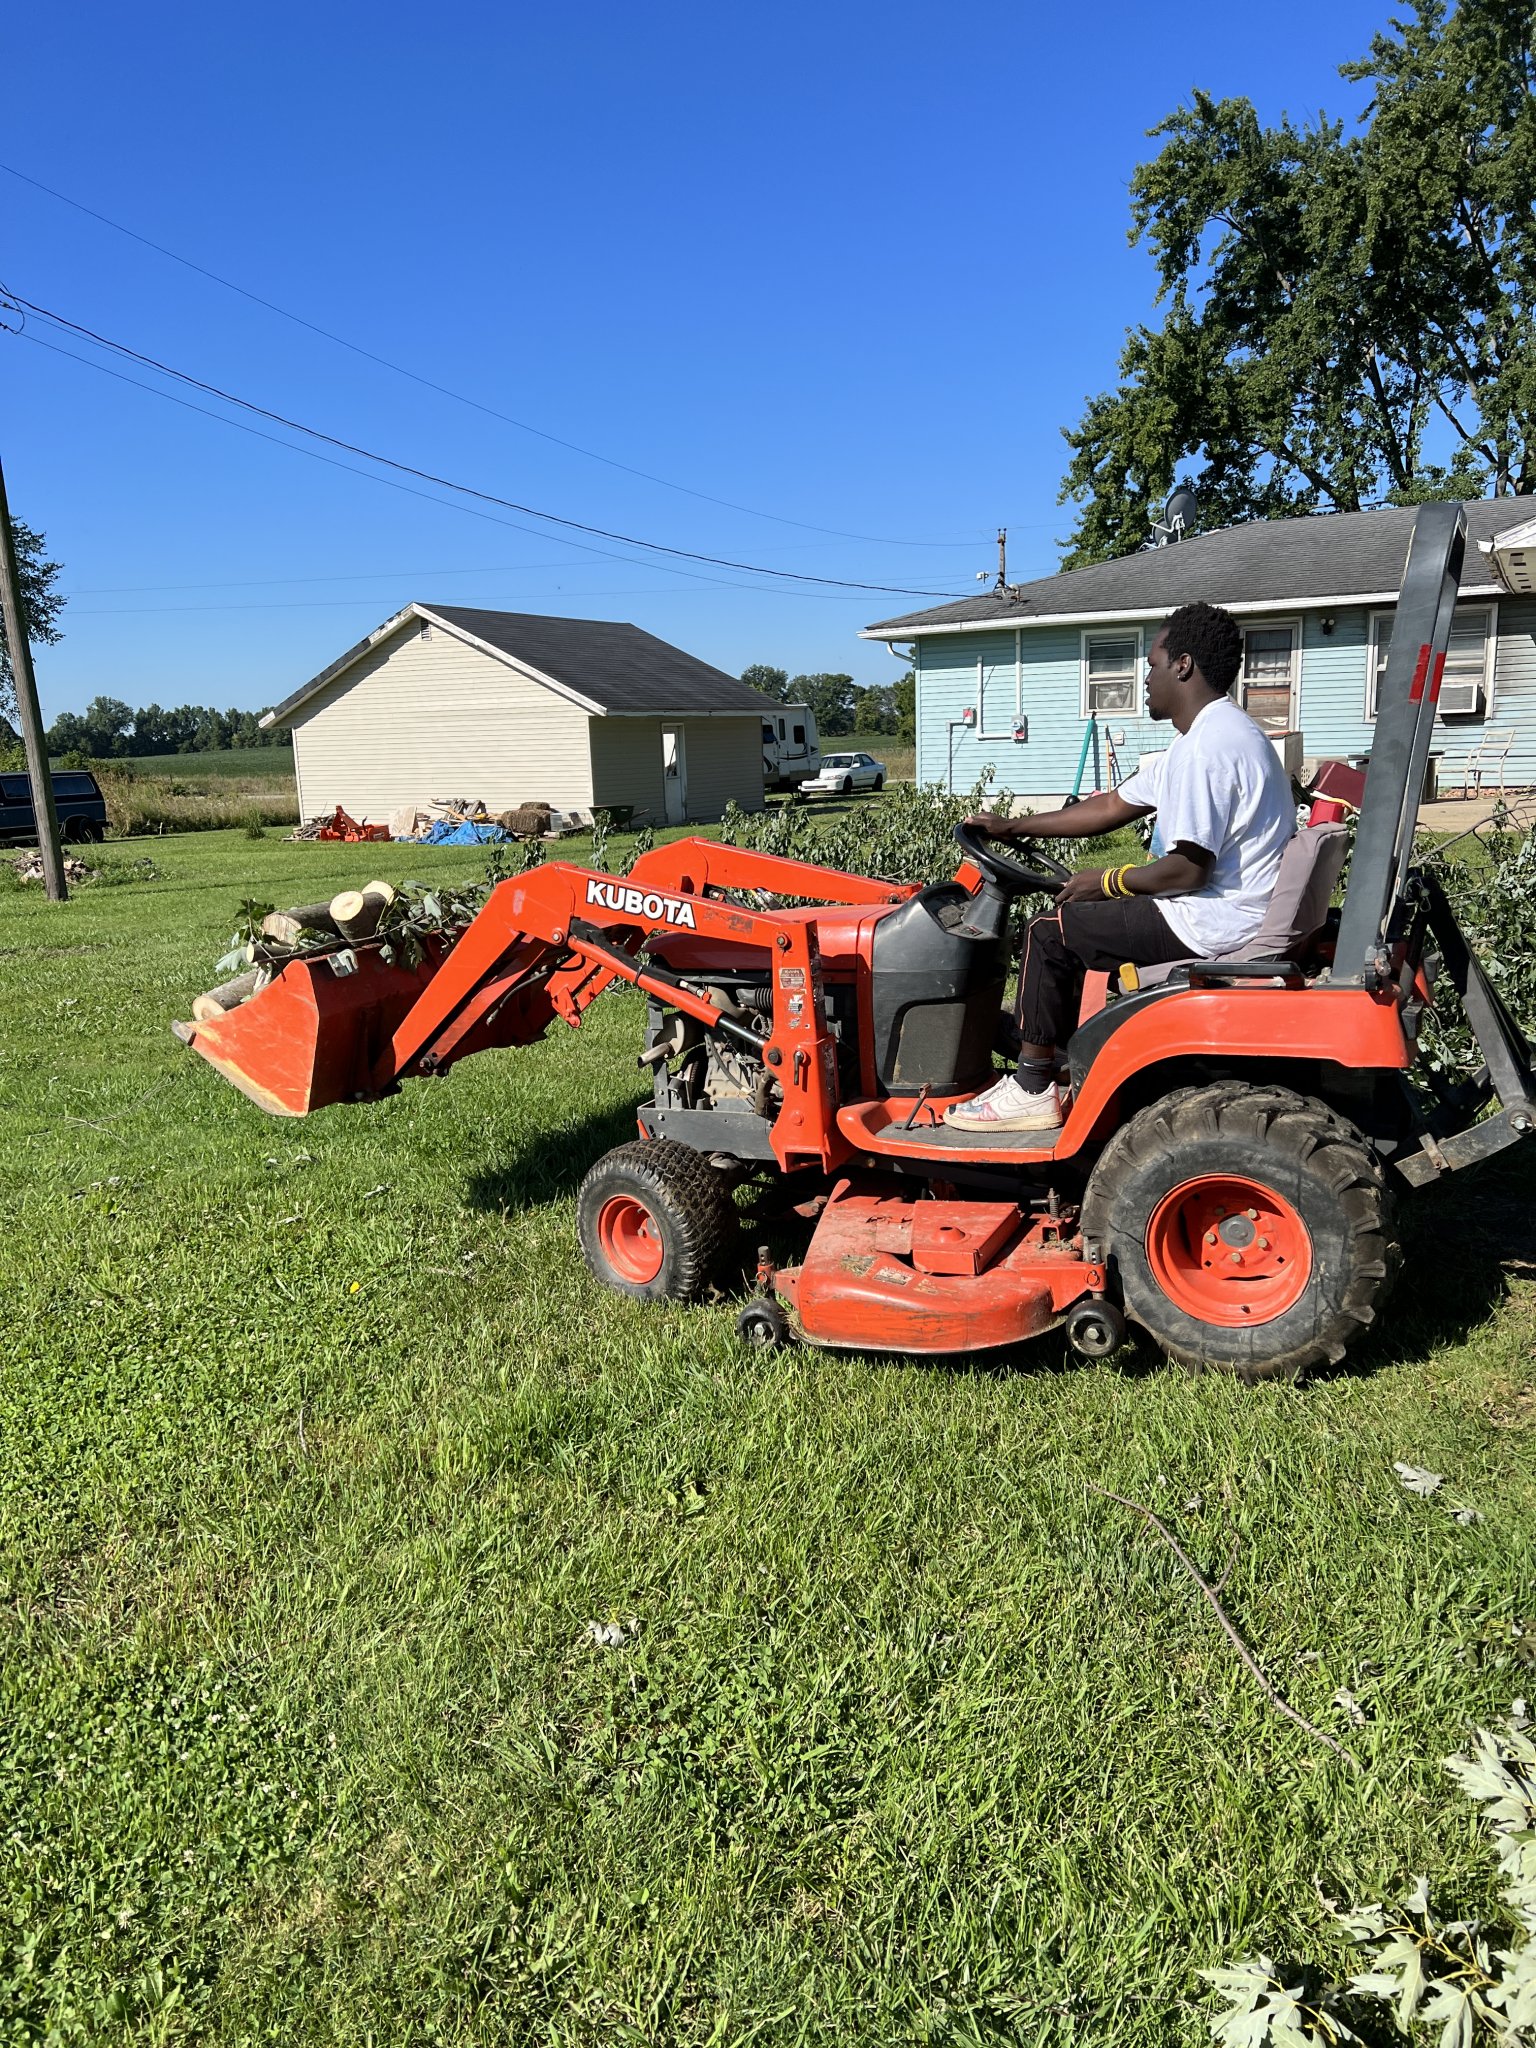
pixel 655 1220
pixel 1250 1229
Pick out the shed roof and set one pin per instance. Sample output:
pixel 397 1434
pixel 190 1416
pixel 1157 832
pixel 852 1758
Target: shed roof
pixel 1329 558
pixel 610 669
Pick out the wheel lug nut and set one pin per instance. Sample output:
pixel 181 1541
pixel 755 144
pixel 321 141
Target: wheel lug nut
pixel 1263 1244
pixel 1252 1215
pixel 1237 1258
pixel 1210 1237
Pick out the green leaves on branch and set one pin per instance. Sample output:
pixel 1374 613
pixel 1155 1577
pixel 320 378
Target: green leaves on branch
pixel 1349 317
pixel 1490 878
pixel 41 603
pixel 905 835
pixel 1443 1979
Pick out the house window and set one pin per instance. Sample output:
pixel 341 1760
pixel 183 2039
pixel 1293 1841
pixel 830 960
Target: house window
pixel 1466 686
pixel 1268 674
pixel 1111 664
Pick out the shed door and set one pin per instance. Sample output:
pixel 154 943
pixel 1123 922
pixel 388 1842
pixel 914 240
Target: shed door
pixel 674 767
pixel 1269 660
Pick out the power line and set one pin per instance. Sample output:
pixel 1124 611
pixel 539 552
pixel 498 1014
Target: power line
pixel 278 582
pixel 302 604
pixel 459 397
pixel 409 490
pixel 448 483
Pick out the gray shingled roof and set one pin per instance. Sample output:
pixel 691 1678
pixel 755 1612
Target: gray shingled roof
pixel 615 667
pixel 1290 561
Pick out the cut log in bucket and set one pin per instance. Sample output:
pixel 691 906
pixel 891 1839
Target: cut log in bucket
pixel 227 996
pixel 356 912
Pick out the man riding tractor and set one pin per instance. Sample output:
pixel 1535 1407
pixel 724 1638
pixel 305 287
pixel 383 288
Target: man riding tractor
pixel 1225 814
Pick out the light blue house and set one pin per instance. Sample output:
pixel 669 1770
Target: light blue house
pixel 1015 680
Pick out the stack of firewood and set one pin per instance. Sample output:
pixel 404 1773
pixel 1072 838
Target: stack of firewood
pixel 269 939
pixel 398 924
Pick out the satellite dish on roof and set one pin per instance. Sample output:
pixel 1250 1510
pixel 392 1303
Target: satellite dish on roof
pixel 1180 518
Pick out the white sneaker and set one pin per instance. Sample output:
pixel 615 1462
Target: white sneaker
pixel 987 1094
pixel 1005 1106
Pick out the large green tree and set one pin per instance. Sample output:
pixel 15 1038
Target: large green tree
pixel 829 696
pixel 41 603
pixel 767 681
pixel 1348 315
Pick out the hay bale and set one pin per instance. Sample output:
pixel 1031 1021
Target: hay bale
pixel 527 821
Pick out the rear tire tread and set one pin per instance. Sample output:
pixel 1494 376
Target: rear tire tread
pixel 1316 1144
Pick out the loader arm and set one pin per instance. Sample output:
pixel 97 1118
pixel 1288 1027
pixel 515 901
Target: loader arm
pixel 347 1026
pixel 547 943
pixel 697 866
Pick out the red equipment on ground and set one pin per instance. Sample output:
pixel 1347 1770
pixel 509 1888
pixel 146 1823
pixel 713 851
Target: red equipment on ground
pixel 341 825
pixel 1226 1173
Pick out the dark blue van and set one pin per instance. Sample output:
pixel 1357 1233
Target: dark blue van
pixel 77 796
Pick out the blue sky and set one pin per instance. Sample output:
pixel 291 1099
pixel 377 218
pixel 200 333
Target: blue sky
pixel 848 268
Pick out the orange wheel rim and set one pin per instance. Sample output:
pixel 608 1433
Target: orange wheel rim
pixel 630 1241
pixel 1229 1250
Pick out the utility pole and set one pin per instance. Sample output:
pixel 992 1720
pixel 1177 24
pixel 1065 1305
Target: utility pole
pixel 20 648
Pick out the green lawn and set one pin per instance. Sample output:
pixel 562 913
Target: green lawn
pixel 322 1449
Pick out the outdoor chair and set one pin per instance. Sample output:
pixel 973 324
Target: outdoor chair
pixel 1489 758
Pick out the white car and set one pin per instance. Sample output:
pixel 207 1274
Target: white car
pixel 844 773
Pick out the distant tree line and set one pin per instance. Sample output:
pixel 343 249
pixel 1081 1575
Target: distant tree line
pixel 840 706
pixel 109 730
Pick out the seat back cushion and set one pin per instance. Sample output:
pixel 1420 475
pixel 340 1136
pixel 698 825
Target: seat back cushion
pixel 1309 868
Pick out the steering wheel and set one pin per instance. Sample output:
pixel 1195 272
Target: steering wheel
pixel 1010 875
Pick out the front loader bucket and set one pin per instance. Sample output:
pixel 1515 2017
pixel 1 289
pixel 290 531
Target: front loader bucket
pixel 313 1036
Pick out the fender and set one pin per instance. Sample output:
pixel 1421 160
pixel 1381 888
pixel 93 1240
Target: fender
pixel 1351 1027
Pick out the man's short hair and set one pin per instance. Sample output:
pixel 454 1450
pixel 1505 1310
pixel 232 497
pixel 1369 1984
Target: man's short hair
pixel 1210 637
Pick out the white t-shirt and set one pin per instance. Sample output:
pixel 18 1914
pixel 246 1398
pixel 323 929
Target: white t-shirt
pixel 1220 786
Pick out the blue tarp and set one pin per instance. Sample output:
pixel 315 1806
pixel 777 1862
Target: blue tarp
pixel 444 834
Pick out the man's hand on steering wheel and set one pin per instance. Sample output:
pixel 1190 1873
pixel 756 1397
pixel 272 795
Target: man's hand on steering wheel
pixel 1085 886
pixel 993 823
pixel 1033 871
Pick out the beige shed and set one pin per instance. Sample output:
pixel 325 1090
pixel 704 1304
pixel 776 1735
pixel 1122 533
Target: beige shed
pixel 512 708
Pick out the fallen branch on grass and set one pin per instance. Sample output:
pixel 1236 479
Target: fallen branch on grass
pixel 1270 1692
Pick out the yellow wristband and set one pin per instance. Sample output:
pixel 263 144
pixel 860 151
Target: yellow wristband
pixel 1122 885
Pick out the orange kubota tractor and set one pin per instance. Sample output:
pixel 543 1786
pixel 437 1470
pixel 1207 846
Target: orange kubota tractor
pixel 1237 1132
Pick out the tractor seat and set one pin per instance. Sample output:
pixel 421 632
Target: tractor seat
pixel 1309 868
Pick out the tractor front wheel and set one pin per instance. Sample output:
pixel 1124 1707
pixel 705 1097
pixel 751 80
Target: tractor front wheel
pixel 1250 1228
pixel 655 1220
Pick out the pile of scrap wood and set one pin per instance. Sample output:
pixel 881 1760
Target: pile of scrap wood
pixel 28 867
pixel 457 819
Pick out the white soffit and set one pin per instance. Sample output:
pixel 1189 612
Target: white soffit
pixel 1513 555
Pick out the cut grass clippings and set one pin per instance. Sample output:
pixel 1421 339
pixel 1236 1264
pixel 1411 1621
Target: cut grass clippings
pixel 323 1450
